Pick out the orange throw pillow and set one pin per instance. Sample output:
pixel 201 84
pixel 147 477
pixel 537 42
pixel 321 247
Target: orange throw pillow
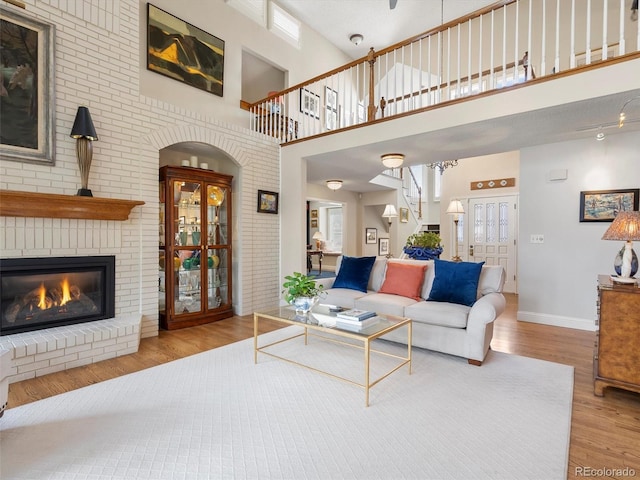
pixel 403 279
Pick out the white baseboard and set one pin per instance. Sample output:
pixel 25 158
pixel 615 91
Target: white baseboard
pixel 557 320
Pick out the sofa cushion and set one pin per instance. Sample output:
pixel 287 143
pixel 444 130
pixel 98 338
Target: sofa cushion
pixel 377 274
pixel 428 275
pixel 403 279
pixel 384 304
pixel 354 273
pixel 491 280
pixel 438 313
pixel 455 282
pixel 342 297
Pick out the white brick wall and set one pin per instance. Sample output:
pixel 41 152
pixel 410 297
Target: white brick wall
pixel 97 64
pixel 46 351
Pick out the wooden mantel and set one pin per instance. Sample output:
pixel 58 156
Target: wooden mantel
pixel 50 205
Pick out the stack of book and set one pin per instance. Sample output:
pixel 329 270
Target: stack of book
pixel 355 319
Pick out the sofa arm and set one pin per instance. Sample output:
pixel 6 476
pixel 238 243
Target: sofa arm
pixel 325 282
pixel 486 310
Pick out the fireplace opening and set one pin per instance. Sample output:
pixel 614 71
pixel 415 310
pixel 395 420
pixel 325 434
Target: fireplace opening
pixel 38 293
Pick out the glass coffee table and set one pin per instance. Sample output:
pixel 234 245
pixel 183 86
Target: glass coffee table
pixel 321 323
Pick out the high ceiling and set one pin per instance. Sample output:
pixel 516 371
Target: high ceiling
pixel 337 20
pixel 381 27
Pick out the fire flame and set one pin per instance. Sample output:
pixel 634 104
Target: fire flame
pixel 42 293
pixel 66 295
pixel 45 303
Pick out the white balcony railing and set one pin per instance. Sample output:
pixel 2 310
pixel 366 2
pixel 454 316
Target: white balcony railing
pixel 508 43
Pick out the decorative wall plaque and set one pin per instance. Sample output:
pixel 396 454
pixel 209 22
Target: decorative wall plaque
pixel 496 183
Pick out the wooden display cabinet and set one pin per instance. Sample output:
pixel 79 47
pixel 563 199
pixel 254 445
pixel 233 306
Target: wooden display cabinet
pixel 194 280
pixel 616 361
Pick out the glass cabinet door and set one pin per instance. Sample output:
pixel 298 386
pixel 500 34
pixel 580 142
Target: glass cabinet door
pixel 162 254
pixel 218 245
pixel 194 253
pixel 217 289
pixel 187 297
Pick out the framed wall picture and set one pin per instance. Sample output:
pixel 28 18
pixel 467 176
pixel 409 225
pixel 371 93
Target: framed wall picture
pixel 27 129
pixel 331 98
pixel 331 119
pixel 309 103
pixel 314 223
pixel 604 205
pixel 166 32
pixel 267 202
pixel 383 247
pixel 331 108
pixel 314 213
pixel 371 235
pixel 404 215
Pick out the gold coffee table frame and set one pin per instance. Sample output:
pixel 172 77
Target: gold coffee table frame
pixel 287 315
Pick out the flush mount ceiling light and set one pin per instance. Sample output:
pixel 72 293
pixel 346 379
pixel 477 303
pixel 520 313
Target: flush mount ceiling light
pixel 600 135
pixel 392 160
pixel 356 39
pixel 334 184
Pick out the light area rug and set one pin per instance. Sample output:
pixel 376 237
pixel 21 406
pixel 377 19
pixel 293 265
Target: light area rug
pixel 217 415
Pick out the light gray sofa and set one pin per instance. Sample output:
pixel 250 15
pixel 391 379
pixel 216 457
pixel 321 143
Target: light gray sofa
pixel 444 327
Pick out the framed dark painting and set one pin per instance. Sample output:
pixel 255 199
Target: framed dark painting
pixel 267 202
pixel 179 50
pixel 604 205
pixel 27 128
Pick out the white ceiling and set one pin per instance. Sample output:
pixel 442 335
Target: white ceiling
pixel 573 121
pixel 381 27
pixel 337 20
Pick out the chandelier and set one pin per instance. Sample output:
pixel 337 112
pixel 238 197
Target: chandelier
pixel 442 166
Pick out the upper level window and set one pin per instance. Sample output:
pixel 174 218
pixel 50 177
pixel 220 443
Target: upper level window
pixel 284 25
pixel 437 184
pixel 254 9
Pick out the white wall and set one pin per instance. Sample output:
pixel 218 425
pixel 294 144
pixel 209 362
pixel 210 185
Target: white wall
pixel 100 62
pixel 557 279
pixel 238 32
pixel 456 184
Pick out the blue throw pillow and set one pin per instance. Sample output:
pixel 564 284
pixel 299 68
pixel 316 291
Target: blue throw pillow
pixel 456 282
pixel 354 273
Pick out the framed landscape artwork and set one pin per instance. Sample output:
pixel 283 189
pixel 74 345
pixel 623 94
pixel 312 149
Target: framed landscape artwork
pixel 604 205
pixel 404 215
pixel 267 202
pixel 183 52
pixel 27 129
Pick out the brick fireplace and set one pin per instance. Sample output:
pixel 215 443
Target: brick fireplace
pixel 87 230
pixel 39 293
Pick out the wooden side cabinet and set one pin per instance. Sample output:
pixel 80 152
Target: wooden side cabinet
pixel 194 276
pixel 616 360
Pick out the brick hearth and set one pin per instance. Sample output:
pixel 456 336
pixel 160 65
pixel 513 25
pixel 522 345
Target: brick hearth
pixel 61 348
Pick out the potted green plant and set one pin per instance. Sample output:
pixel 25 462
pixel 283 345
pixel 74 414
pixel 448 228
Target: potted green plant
pixel 301 291
pixel 423 246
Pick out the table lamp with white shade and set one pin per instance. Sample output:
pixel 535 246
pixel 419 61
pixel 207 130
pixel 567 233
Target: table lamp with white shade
pixel 318 237
pixel 625 227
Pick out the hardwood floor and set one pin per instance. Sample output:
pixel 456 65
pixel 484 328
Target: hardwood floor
pixel 605 431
